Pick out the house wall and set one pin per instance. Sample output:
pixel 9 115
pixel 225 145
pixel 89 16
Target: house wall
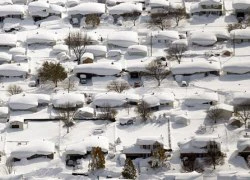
pixel 17 123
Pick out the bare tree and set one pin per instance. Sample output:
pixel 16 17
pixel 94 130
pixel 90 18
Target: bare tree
pixel 92 19
pixel 214 114
pixel 143 110
pixel 177 14
pixel 160 20
pixel 214 155
pixel 77 42
pixel 66 115
pixel 133 16
pixel 14 89
pixel 243 112
pixel 175 53
pixel 118 86
pixel 107 113
pixel 156 70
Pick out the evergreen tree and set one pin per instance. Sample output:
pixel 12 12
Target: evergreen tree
pixel 97 159
pixel 159 157
pixel 129 171
pixel 54 72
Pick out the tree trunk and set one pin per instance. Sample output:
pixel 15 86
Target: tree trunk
pixel 55 83
pixel 67 129
pixel 159 83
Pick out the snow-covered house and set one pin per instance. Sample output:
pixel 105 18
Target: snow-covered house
pixel 97 69
pixel 225 109
pixel 33 149
pixel 208 98
pixel 97 50
pixel 41 38
pixel 144 147
pixel 13 70
pixel 241 99
pixel 67 100
pixel 243 146
pixel 195 67
pixel 152 101
pixel 5 57
pixel 215 7
pixel 125 8
pixel 163 37
pixel 240 35
pixel 16 122
pixel 236 65
pixel 202 38
pixel 198 146
pixel 80 150
pixel 123 38
pixel 77 12
pixel 137 50
pixel 241 7
pixel 11 11
pixel 136 68
pixel 39 9
pixel 28 102
pixel 8 40
pixel 166 99
pixel 110 99
pixel 158 6
pixel 85 113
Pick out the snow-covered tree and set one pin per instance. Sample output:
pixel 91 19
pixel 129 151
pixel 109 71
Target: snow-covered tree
pixel 159 157
pixel 118 85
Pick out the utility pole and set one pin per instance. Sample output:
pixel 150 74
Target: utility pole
pixel 69 43
pixel 234 43
pixel 151 44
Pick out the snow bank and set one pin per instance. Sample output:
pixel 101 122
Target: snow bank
pixel 240 34
pixel 241 98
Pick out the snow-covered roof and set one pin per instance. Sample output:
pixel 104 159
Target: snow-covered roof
pixel 203 38
pixel 180 42
pixel 137 65
pixel 222 106
pixel 195 67
pixel 111 99
pixel 149 140
pixel 67 99
pixel 87 55
pixel 169 35
pixel 97 50
pixel 151 100
pixel 60 48
pixel 240 34
pixel 125 8
pixel 4 111
pixel 198 99
pixel 24 101
pixel 241 98
pixel 210 2
pixel 183 176
pixel 41 38
pixel 12 10
pixel 237 65
pixel 8 40
pixel 158 3
pixel 100 68
pixel 137 48
pixel 56 9
pixel 165 97
pixel 32 148
pixel 5 57
pixel 13 70
pixel 6 2
pixel 14 119
pixel 202 141
pixel 87 144
pixel 182 119
pixel 87 8
pixel 243 143
pixel 17 50
pixel 87 109
pixel 123 38
pixel 39 8
pixel 240 4
pixel 135 149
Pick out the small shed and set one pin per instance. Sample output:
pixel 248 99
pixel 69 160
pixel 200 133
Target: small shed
pixel 16 122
